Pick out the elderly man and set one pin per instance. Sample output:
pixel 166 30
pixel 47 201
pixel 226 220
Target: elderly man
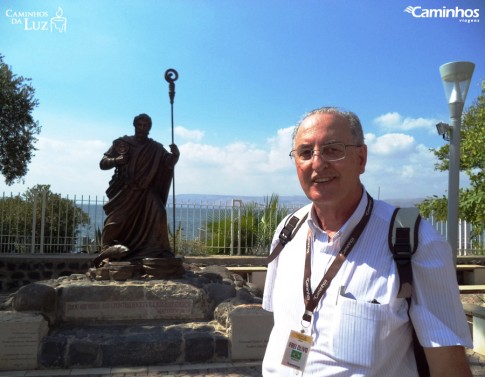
pixel 136 222
pixel 356 325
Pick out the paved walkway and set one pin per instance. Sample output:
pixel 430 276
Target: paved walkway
pixel 242 369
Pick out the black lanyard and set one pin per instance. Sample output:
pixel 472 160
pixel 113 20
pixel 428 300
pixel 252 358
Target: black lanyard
pixel 312 298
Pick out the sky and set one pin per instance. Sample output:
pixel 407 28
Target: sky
pixel 248 71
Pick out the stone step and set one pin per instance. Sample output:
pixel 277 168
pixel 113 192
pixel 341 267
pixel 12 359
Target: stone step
pixel 118 345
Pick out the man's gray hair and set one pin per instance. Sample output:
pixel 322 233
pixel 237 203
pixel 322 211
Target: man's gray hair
pixel 352 118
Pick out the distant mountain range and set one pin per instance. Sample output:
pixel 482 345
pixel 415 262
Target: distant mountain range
pixel 292 199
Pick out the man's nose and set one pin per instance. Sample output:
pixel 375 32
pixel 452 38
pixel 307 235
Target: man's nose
pixel 318 161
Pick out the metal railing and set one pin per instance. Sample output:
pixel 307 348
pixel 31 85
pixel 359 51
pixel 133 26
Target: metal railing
pixel 46 223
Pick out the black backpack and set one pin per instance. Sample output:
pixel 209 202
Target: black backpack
pixel 403 242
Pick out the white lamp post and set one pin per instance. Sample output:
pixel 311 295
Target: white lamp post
pixel 456 77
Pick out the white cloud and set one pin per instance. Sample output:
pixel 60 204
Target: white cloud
pixel 279 149
pixel 395 122
pixel 187 134
pixel 239 168
pixel 407 172
pixel 398 167
pixel 70 166
pixel 389 144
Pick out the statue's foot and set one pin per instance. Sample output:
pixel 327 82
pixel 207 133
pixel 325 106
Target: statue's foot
pixel 113 252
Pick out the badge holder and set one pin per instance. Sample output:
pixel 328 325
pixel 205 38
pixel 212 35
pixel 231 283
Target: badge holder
pixel 298 346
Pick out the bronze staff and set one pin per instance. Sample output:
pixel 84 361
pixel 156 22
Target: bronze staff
pixel 171 75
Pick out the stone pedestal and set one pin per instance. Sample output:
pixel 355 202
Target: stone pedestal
pixel 20 336
pixel 134 322
pixel 168 300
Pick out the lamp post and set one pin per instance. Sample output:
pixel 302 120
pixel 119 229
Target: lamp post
pixel 456 77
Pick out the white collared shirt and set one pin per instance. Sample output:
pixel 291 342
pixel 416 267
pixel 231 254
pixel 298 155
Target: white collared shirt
pixel 353 336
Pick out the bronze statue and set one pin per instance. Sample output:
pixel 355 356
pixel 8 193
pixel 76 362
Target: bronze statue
pixel 136 220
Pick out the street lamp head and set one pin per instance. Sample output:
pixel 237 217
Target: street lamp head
pixel 444 130
pixel 456 77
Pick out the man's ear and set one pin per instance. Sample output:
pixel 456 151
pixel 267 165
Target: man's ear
pixel 363 158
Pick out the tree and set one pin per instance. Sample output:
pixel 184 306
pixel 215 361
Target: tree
pixel 17 126
pixel 20 214
pixel 472 162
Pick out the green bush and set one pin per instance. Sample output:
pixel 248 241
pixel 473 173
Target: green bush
pixel 257 225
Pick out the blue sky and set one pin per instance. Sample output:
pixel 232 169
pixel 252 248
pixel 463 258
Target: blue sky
pixel 248 70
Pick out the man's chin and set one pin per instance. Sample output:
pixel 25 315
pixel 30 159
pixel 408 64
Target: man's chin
pixel 318 197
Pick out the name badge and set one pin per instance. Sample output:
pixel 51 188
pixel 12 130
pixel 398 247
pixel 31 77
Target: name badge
pixel 297 350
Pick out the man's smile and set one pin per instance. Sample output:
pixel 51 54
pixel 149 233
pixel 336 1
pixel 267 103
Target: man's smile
pixel 322 179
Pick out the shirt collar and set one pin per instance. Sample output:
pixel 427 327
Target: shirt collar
pixel 350 224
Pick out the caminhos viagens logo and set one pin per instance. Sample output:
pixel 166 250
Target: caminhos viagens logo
pixel 462 15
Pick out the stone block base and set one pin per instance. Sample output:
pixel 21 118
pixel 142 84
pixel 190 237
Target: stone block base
pixel 250 327
pixel 20 336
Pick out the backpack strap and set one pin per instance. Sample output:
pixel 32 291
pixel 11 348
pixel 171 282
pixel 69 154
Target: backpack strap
pixel 287 234
pixel 403 242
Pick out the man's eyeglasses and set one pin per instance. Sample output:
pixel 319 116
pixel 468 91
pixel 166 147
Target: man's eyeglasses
pixel 329 152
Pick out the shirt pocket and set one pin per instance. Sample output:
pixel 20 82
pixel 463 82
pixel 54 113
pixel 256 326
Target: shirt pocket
pixel 356 331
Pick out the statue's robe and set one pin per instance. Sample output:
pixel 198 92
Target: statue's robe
pixel 136 210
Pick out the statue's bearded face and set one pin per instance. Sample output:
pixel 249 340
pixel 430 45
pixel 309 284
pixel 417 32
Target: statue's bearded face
pixel 142 128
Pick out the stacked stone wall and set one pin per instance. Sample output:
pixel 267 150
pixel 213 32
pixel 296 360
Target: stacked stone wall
pixel 17 270
pixel 133 345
